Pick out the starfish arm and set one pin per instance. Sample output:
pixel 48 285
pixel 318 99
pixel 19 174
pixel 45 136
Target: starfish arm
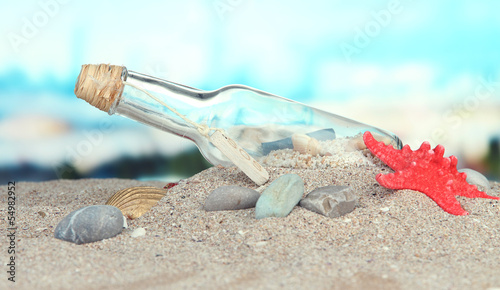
pixel 484 195
pixel 386 153
pixel 391 180
pixel 471 191
pixel 443 198
pixel 465 189
pixel 447 202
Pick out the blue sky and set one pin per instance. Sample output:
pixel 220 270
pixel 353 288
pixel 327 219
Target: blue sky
pixel 411 67
pixel 280 45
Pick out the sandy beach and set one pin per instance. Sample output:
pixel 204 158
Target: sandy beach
pixel 392 240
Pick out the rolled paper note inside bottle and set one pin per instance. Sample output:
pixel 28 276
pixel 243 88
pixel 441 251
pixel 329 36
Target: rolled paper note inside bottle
pixel 257 121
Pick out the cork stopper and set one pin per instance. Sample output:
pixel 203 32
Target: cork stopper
pixel 99 85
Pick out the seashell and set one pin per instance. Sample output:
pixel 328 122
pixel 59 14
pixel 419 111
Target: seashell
pixel 306 145
pixel 357 143
pixel 135 201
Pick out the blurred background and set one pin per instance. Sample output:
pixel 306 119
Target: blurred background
pixel 426 71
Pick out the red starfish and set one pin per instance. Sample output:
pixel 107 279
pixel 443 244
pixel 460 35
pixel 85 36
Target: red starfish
pixel 424 170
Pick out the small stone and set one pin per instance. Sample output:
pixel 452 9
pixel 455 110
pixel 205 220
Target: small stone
pixel 280 197
pixel 231 198
pixel 90 224
pixel 139 232
pixel 476 178
pixel 331 201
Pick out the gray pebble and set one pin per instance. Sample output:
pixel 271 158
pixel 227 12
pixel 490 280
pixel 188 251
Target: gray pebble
pixel 90 224
pixel 331 201
pixel 231 198
pixel 476 178
pixel 280 197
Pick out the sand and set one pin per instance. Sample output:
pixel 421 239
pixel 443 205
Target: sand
pixel 392 240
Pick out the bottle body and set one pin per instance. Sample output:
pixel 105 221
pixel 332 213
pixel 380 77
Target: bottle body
pixel 250 117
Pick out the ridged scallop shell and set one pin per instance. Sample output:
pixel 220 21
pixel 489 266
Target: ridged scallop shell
pixel 306 145
pixel 135 201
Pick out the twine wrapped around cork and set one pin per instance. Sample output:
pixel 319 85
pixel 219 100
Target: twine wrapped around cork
pixel 99 85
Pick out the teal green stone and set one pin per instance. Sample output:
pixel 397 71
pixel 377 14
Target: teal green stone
pixel 280 197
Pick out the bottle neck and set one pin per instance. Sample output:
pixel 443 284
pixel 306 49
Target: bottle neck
pixel 152 84
pixel 136 103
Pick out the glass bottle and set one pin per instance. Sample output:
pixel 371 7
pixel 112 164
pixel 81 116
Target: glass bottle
pixel 256 120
